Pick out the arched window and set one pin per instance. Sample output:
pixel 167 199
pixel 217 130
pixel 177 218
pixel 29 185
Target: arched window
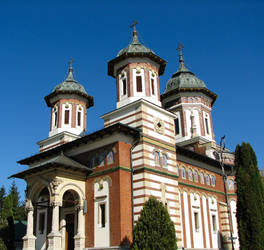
pixel 92 163
pixel 190 174
pixel 156 158
pixel 164 160
pixel 67 114
pixel 101 159
pixel 123 85
pixel 202 178
pixel 79 116
pixel 212 180
pixel 231 185
pixel 208 179
pixel 195 176
pixel 55 117
pixel 110 157
pixel 177 169
pixel 183 172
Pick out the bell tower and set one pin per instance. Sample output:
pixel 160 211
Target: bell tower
pixel 68 102
pixel 191 101
pixel 136 70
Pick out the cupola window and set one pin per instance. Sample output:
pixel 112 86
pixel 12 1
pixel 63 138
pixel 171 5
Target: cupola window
pixel 207 123
pixel 67 114
pixel 79 115
pixel 177 126
pixel 124 83
pixel 55 117
pixel 152 87
pixel 139 83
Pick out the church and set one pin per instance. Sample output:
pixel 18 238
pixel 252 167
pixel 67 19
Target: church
pixel 86 191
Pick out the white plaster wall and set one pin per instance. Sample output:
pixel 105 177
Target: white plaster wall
pixel 101 234
pixel 196 207
pixel 213 211
pixel 187 222
pixel 206 226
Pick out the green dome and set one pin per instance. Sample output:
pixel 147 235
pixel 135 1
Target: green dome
pixel 135 46
pixel 184 78
pixel 70 84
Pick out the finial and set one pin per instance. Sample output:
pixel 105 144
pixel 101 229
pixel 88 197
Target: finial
pixel 181 60
pixel 180 48
pixel 133 25
pixel 135 36
pixel 70 75
pixel 70 63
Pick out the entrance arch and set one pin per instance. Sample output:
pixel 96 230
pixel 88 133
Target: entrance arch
pixel 42 212
pixel 69 218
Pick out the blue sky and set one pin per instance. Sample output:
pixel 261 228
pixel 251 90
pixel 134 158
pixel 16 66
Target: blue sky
pixel 223 43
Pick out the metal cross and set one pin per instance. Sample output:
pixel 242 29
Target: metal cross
pixel 180 47
pixel 133 25
pixel 70 62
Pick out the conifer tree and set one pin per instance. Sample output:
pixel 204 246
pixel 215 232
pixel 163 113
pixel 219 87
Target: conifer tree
pixel 154 229
pixel 250 199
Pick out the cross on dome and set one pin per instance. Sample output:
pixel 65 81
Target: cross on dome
pixel 133 24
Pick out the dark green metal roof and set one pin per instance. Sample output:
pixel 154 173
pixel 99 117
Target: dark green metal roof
pixel 183 78
pixel 135 46
pixel 70 86
pixel 136 49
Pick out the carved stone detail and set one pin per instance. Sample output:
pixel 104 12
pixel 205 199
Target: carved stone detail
pixel 55 183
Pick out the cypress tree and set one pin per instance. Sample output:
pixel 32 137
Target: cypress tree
pixel 250 199
pixel 154 229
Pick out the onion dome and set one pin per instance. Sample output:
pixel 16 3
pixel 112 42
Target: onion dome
pixel 135 49
pixel 135 46
pixel 183 78
pixel 69 86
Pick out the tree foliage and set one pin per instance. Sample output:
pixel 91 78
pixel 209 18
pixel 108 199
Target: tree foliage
pixel 11 208
pixel 154 229
pixel 250 199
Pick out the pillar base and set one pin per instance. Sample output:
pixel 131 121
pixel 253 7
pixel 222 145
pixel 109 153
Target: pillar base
pixel 29 242
pixel 79 242
pixel 54 239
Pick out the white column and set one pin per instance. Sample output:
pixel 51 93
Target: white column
pixel 79 238
pixel 55 236
pixel 29 239
pixel 55 218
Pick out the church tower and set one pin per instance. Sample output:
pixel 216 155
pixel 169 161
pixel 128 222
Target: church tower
pixel 68 102
pixel 191 101
pixel 137 70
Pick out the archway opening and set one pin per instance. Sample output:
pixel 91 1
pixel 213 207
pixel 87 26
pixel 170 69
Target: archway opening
pixel 42 214
pixel 70 201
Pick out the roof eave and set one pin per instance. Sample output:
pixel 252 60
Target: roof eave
pixel 178 90
pixel 89 99
pixel 23 174
pixel 135 133
pixel 150 55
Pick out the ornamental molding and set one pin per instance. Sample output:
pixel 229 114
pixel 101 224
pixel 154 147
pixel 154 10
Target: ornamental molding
pixel 159 126
pixel 55 184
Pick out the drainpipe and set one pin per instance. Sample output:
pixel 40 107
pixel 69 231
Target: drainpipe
pixel 222 147
pixel 132 172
